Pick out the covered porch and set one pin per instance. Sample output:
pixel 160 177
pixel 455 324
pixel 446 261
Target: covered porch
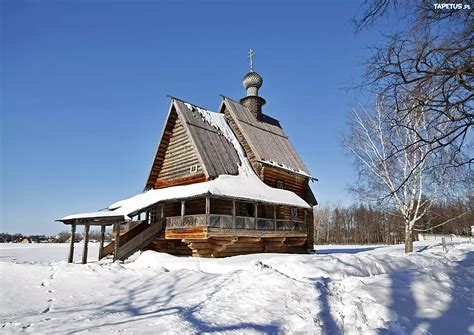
pixel 232 214
pixel 207 226
pixel 208 222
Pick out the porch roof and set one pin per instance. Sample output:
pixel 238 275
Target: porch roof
pixel 106 217
pixel 246 188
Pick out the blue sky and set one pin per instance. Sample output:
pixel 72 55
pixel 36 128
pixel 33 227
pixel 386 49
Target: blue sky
pixel 84 87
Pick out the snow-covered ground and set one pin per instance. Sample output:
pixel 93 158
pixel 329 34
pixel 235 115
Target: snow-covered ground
pixel 341 289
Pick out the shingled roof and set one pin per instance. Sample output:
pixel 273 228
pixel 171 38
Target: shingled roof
pixel 266 137
pixel 216 154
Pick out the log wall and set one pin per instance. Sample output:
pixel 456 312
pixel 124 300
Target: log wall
pixel 221 206
pixel 195 206
pixel 208 242
pixel 291 182
pixel 175 157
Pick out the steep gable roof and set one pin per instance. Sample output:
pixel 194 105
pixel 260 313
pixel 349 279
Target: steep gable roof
pixel 266 138
pixel 218 155
pixel 215 153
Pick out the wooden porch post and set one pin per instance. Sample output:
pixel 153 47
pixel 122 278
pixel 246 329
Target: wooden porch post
pixel 162 211
pixel 117 240
pixel 275 217
pixel 147 217
pixel 291 218
pixel 71 244
pixel 183 210
pixel 256 214
pixel 208 209
pixel 102 238
pixel 86 243
pixel 233 214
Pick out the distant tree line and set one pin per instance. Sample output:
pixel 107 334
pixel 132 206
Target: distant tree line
pixel 368 224
pixel 94 235
pixel 62 237
pixel 17 237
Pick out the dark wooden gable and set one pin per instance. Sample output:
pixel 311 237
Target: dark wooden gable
pixel 176 161
pixel 216 152
pixel 190 150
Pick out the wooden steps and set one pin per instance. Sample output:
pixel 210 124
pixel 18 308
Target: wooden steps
pixel 135 239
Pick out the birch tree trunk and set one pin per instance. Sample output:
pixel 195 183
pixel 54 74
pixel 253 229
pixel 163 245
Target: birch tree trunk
pixel 408 238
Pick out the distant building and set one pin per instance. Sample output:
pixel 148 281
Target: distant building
pixel 25 240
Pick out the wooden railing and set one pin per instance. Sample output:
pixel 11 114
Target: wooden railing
pixel 126 237
pixel 227 222
pixel 140 241
pixel 186 221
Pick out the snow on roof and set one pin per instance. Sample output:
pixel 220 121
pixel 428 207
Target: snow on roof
pixel 99 214
pixel 284 167
pixel 245 186
pixel 218 121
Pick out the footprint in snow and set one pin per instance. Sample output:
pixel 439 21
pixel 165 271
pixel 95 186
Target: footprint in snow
pixel 260 265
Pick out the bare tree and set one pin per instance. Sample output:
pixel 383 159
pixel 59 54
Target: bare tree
pixel 410 179
pixel 322 221
pixel 428 67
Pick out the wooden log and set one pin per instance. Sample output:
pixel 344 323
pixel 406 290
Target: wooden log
pixel 234 253
pixel 294 241
pixel 218 233
pixel 244 245
pixel 249 239
pixel 86 244
pixel 221 242
pixel 280 238
pixel 71 244
pixel 290 250
pixel 189 232
pixel 255 212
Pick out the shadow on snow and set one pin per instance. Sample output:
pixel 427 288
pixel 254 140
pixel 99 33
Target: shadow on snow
pixel 138 305
pixel 349 250
pixel 455 319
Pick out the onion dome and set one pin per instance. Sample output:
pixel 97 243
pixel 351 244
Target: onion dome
pixel 252 81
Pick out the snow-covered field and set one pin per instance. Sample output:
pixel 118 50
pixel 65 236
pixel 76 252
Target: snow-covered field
pixel 341 289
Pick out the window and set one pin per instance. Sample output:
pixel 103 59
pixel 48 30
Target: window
pixel 294 212
pixel 193 168
pixel 280 184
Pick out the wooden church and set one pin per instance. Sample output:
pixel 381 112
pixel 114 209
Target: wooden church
pixel 221 184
